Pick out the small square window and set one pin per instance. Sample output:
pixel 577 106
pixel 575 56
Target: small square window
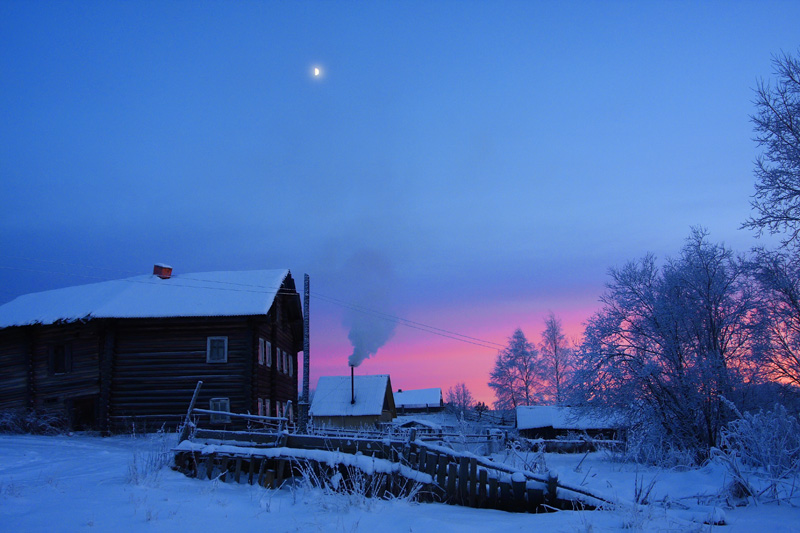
pixel 222 405
pixel 217 350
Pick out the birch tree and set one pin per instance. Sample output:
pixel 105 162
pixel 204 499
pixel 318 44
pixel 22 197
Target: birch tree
pixel 515 377
pixel 556 357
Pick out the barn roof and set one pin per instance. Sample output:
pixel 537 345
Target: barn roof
pixel 189 295
pixel 332 397
pixel 418 398
pixel 543 416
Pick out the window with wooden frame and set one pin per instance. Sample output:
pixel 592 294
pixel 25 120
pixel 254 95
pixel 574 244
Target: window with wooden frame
pixel 217 350
pixel 222 406
pixel 291 365
pixel 260 407
pixel 59 360
pixel 261 351
pixel 285 362
pixel 268 352
pixel 267 407
pixel 278 359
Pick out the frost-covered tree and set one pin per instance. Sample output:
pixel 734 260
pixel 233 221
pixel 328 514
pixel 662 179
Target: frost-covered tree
pixel 670 342
pixel 556 360
pixel 459 397
pixel 778 277
pixel 777 125
pixel 515 377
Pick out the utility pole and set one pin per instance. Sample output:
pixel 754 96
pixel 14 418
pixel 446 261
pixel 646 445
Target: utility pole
pixel 304 402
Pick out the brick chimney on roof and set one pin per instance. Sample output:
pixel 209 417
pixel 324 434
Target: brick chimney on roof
pixel 162 271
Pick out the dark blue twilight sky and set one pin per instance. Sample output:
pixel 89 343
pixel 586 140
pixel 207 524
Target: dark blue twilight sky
pixel 490 160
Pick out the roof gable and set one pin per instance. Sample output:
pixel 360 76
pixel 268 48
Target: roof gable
pixel 189 295
pixel 332 397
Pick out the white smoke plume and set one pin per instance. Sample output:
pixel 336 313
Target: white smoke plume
pixel 371 276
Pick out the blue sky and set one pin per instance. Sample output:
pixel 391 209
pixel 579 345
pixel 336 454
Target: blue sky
pixel 493 158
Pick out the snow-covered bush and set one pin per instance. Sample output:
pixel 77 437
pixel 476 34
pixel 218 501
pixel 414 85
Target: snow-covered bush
pixel 147 464
pixel 33 422
pixel 761 452
pixel 526 454
pixel 648 445
pixel 341 487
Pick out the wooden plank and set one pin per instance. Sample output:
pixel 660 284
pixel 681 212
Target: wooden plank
pixel 431 460
pixel 269 478
pixel 506 497
pixel 518 489
pixel 237 475
pixel 463 480
pixel 452 477
pixel 494 497
pixel 279 472
pixel 550 495
pixel 473 482
pixel 535 500
pixel 210 466
pixel 441 474
pixel 224 471
pixel 482 488
pixel 261 468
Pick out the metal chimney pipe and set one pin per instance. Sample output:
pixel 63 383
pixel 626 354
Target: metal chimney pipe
pixel 352 385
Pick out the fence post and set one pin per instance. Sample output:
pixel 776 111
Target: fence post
pixel 186 423
pixel 473 481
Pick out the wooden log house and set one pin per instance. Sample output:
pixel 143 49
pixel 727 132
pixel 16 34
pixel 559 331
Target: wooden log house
pixel 130 351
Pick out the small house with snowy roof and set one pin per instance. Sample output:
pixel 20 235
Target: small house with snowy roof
pixel 419 400
pixel 352 401
pixel 132 350
pixel 552 422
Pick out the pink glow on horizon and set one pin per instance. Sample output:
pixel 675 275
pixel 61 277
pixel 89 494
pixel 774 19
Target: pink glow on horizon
pixel 417 359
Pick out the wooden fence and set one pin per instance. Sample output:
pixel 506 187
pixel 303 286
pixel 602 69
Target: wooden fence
pixel 393 467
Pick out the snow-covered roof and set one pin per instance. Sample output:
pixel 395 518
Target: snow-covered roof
pixel 418 398
pixel 201 294
pixel 542 416
pixel 332 397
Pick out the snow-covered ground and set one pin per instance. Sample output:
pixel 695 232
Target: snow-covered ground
pixel 85 483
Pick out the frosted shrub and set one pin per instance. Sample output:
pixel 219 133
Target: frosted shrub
pixel 33 422
pixel 342 487
pixel 647 445
pixel 761 452
pixel 146 465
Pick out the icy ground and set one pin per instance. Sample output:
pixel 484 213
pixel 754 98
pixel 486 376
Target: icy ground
pixel 85 483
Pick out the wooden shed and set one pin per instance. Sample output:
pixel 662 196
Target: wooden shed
pixel 553 422
pixel 419 400
pixel 364 402
pixel 132 350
